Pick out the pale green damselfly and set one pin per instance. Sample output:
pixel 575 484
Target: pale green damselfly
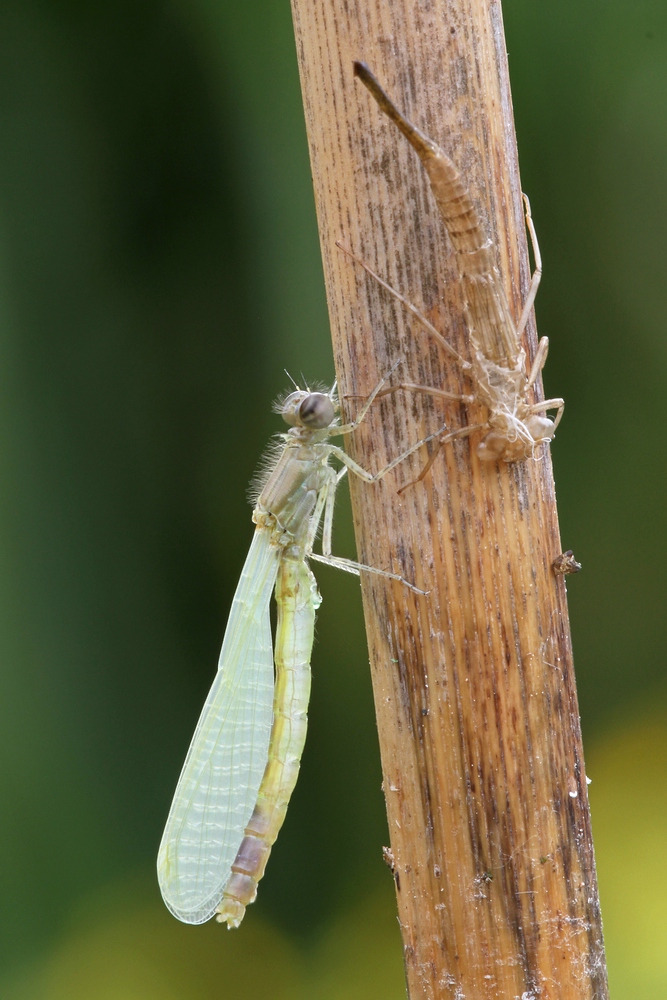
pixel 243 762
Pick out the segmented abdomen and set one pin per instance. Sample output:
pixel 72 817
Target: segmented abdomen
pixel 297 600
pixel 490 324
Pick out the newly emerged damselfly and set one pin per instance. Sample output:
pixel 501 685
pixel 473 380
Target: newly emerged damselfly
pixel 243 762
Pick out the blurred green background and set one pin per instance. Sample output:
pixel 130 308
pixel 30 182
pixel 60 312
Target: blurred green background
pixel 159 268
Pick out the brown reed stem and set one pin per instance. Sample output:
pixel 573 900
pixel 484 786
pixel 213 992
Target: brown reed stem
pixel 474 686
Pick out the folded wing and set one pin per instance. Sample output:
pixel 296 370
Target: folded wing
pixel 218 786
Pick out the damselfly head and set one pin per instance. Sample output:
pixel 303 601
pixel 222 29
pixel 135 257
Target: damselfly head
pixel 315 410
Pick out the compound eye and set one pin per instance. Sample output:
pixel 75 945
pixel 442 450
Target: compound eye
pixel 316 411
pixel 292 405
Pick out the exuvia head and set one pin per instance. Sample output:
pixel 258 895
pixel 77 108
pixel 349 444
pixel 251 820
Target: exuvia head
pixel 314 410
pixel 514 440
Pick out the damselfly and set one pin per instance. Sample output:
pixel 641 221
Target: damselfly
pixel 243 762
pixel 514 426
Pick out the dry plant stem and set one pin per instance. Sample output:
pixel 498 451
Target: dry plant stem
pixel 477 714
